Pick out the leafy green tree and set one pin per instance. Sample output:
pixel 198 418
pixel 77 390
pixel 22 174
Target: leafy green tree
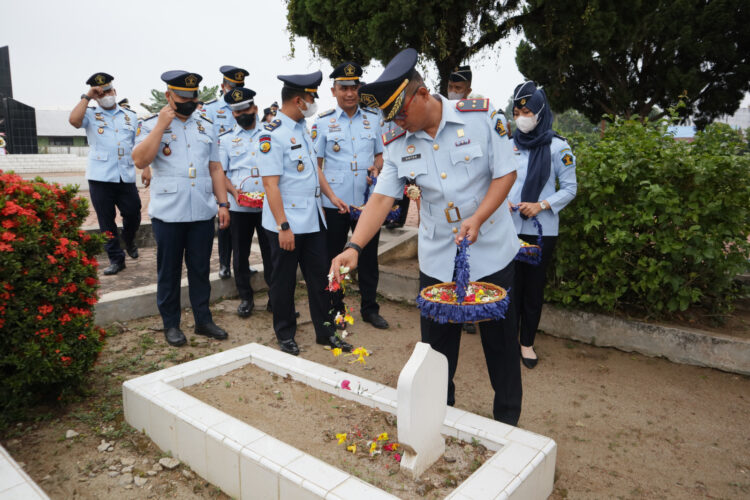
pixel 444 31
pixel 158 100
pixel 625 58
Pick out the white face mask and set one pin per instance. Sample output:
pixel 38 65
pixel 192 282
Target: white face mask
pixel 455 96
pixel 107 101
pixel 526 123
pixel 312 108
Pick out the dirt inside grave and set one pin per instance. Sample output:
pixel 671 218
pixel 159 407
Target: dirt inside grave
pixel 310 419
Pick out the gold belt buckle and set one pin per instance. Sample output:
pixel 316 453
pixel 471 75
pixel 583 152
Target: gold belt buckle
pixel 191 172
pixel 448 214
pixel 353 166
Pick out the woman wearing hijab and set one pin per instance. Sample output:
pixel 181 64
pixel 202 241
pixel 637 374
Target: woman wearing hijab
pixel 545 161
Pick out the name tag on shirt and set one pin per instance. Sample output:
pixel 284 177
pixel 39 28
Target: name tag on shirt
pixel 411 157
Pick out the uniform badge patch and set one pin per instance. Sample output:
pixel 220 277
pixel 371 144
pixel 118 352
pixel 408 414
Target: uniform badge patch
pixel 314 132
pixel 567 159
pixel 410 149
pixel 463 142
pixel 500 128
pixel 138 131
pixel 265 143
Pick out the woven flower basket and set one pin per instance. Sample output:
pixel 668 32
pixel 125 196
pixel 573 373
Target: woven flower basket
pixel 463 301
pixel 356 211
pixel 531 254
pixel 252 199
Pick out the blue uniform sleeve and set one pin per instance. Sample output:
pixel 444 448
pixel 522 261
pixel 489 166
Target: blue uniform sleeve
pixel 224 154
pixel 564 165
pixel 389 183
pixel 271 158
pixel 88 116
pixel 213 153
pixel 319 136
pixel 502 161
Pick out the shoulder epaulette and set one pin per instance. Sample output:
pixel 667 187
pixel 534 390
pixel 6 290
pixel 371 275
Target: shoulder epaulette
pixel 149 117
pixel 370 110
pixel 272 126
pixel 211 101
pixel 326 113
pixel 225 133
pixel 128 109
pixel 392 135
pixel 207 119
pixel 560 137
pixel 473 105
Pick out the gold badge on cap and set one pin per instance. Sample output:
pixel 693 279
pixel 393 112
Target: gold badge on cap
pixel 191 81
pixel 369 100
pixel 100 80
pixel 237 95
pixel 350 70
pixel 523 102
pixel 239 75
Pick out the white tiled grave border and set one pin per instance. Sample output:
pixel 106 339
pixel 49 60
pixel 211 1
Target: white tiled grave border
pixel 15 484
pixel 248 463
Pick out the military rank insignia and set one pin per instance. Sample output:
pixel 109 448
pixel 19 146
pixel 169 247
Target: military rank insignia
pixel 500 128
pixel 265 143
pixel 314 132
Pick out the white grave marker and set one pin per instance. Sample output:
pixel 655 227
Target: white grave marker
pixel 422 395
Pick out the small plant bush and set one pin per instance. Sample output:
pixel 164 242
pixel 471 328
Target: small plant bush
pixel 658 225
pixel 48 284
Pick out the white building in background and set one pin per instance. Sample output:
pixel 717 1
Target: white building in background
pixel 56 135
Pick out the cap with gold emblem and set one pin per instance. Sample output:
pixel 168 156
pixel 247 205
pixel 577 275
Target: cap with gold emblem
pixel 100 80
pixel 387 92
pixel 347 73
pixel 306 83
pixel 239 98
pixel 182 83
pixel 234 76
pixel 526 95
pixel 461 74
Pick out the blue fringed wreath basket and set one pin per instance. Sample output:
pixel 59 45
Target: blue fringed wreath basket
pixel 447 302
pixel 355 212
pixel 531 254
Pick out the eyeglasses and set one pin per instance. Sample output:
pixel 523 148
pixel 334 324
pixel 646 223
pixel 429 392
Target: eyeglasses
pixel 402 114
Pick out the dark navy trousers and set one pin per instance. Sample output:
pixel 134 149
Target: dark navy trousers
pixel 529 289
pixel 367 267
pixel 105 196
pixel 175 241
pixel 500 345
pixel 243 226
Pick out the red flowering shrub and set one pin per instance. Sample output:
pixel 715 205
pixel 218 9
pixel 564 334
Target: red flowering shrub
pixel 48 284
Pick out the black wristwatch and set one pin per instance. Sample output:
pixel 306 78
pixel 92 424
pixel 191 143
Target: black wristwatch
pixel 221 205
pixel 284 226
pixel 84 96
pixel 354 246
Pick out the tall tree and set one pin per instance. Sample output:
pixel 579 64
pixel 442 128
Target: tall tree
pixel 446 32
pixel 159 100
pixel 611 57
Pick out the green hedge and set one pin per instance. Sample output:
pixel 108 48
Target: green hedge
pixel 658 224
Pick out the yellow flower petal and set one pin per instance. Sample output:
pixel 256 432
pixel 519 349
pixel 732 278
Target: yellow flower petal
pixel 383 437
pixel 336 351
pixel 373 447
pixel 352 448
pixel 341 437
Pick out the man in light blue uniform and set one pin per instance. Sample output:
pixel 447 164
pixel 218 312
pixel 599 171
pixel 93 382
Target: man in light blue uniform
pixel 293 214
pixel 463 163
pixel 349 148
pixel 239 157
pixel 110 130
pixel 218 111
pixel 183 150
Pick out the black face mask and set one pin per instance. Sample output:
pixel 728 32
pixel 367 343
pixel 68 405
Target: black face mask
pixel 185 108
pixel 246 120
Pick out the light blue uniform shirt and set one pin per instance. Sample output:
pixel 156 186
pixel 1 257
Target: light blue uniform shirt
pixel 219 112
pixel 562 170
pixel 181 186
pixel 349 146
pixel 110 135
pixel 239 156
pixel 291 156
pixel 454 171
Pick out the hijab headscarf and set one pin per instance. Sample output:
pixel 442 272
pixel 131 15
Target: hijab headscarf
pixel 537 141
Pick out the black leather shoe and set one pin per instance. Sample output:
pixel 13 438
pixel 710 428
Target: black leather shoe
pixel 393 225
pixel 376 320
pixel 132 251
pixel 289 347
pixel 113 269
pixel 333 341
pixel 224 272
pixel 174 336
pixel 470 328
pixel 529 362
pixel 211 330
pixel 253 270
pixel 245 309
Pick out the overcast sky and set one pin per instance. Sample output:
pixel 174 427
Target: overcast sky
pixel 56 45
